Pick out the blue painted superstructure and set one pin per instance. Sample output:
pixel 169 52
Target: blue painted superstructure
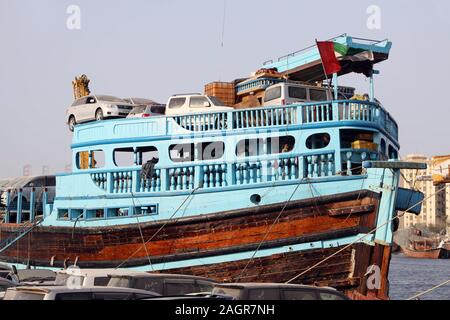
pixel 230 176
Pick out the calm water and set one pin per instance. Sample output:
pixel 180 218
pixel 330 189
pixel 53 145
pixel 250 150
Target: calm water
pixel 409 277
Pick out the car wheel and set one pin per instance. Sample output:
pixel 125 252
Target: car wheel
pixel 99 115
pixel 72 123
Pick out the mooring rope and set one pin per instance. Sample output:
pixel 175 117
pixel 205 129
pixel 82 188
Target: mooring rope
pixel 429 290
pixel 159 230
pixel 267 232
pixel 361 238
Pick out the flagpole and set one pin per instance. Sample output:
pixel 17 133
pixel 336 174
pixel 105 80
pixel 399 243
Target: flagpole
pixel 323 68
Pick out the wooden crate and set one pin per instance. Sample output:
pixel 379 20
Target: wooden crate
pixel 361 144
pixel 225 91
pixel 365 137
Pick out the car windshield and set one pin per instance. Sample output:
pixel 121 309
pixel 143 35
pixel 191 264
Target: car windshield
pixel 62 279
pixel 141 101
pixel 216 101
pixel 110 99
pixel 23 295
pixel 158 109
pixel 232 292
pixel 120 282
pixel 138 110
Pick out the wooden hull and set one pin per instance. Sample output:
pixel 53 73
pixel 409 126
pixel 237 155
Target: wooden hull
pixel 427 254
pixel 222 234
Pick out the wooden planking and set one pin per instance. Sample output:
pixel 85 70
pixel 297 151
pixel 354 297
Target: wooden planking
pixel 282 268
pixel 116 244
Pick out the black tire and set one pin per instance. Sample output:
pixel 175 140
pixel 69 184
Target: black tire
pixel 99 115
pixel 72 123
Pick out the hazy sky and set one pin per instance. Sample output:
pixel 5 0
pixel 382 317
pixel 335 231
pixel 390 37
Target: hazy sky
pixel 156 48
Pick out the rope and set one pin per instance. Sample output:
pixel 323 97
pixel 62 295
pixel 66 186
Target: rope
pixel 159 230
pixel 267 232
pixel 276 220
pixel 223 21
pixel 429 290
pixel 144 244
pixel 140 230
pixel 358 240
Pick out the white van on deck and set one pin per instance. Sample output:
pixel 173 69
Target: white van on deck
pixel 291 93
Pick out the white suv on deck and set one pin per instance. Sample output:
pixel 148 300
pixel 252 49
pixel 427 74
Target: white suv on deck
pixel 96 107
pixel 194 103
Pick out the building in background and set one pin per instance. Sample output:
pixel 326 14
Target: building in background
pixel 436 208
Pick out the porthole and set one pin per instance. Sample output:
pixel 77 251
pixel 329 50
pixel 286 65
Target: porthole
pixel 318 141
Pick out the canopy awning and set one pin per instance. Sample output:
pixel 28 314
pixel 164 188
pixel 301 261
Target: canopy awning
pixel 305 65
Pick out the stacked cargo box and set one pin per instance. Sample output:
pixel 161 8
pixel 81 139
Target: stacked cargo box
pixel 225 91
pixel 364 141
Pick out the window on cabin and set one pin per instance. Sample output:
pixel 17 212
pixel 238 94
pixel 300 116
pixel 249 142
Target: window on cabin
pixel 318 141
pixel 63 214
pixel 383 149
pixel 127 157
pixel 117 212
pixel 145 211
pixel 357 139
pixel 94 159
pixel 76 214
pixel 98 159
pixel 250 148
pixel 95 214
pixel 124 157
pixel 182 152
pixel 211 150
pixel 146 154
pixel 283 144
pixel 393 154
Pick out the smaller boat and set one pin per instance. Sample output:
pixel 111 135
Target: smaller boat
pixel 428 249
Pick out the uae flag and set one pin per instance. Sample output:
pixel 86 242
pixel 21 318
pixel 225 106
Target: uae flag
pixel 336 56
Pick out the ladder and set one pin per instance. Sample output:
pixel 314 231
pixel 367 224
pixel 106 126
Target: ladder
pixel 22 232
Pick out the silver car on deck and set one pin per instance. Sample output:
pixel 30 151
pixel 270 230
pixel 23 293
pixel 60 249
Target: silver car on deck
pixel 96 108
